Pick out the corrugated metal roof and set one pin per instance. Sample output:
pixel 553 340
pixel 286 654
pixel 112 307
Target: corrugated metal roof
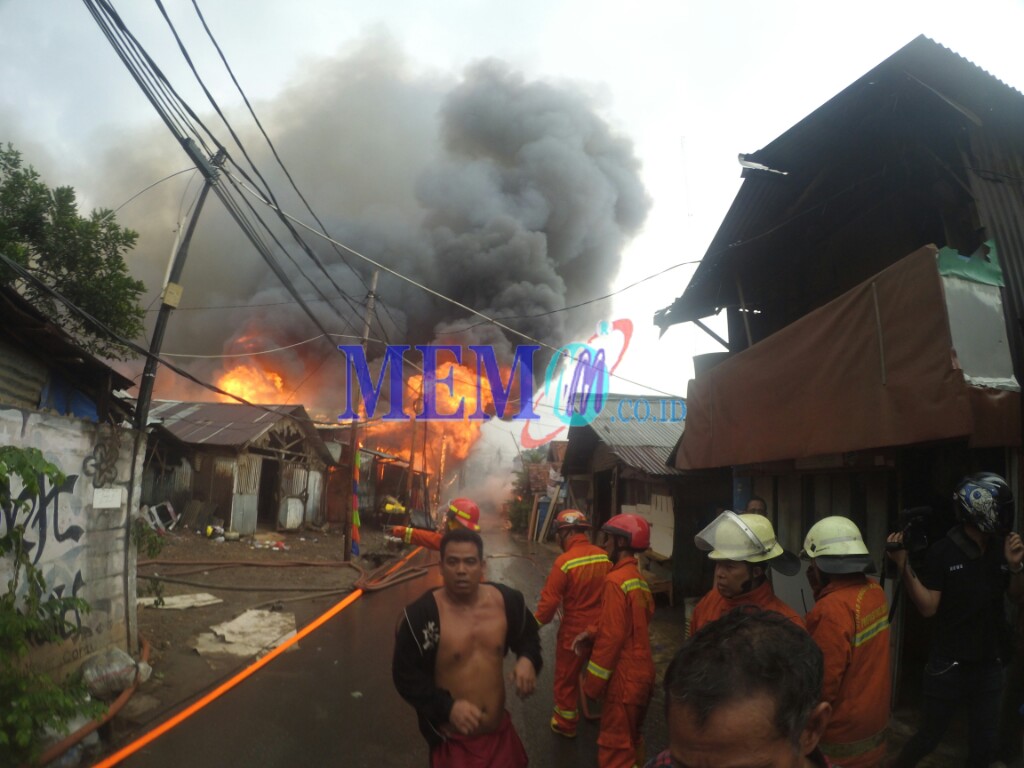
pixel 643 445
pixel 876 105
pixel 231 425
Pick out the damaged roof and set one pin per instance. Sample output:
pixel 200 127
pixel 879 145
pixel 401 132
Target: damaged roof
pixel 920 81
pixel 643 445
pixel 230 425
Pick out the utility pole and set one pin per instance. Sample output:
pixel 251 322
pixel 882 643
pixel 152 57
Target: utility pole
pixel 353 442
pixel 172 296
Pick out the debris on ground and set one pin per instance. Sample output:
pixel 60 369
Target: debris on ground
pixel 180 602
pixel 252 633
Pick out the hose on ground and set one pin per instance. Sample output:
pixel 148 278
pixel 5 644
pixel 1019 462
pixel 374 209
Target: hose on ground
pixel 62 746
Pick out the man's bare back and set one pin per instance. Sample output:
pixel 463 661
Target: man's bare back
pixel 470 658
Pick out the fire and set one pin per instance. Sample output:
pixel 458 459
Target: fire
pixel 253 384
pixel 428 441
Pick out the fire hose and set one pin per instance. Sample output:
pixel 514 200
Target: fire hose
pixel 59 748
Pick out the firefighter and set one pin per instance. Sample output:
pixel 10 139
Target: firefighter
pixel 575 582
pixel 461 512
pixel 850 623
pixel 621 669
pixel 743 547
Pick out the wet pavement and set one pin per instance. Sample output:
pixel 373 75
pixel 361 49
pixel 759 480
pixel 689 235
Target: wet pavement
pixel 331 702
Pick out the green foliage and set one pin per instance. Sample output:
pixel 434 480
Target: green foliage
pixel 29 615
pixel 155 588
pixel 146 540
pixel 81 257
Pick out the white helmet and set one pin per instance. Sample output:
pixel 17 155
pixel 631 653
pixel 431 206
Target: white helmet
pixel 745 538
pixel 836 546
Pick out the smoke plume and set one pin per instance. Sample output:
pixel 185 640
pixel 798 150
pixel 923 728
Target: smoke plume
pixel 514 197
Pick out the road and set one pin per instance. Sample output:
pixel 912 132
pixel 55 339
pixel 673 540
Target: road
pixel 332 703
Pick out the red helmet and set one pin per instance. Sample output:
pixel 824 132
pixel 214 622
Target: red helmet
pixel 465 512
pixel 635 529
pixel 570 518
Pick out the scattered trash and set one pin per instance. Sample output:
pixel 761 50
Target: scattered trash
pixel 180 602
pixel 250 634
pixel 357 694
pixel 231 536
pixel 111 671
pixel 214 530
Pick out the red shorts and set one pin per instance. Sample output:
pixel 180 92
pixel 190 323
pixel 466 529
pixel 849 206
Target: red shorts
pixel 500 749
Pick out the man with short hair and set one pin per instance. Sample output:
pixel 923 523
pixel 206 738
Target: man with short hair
pixel 575 582
pixel 745 691
pixel 756 506
pixel 449 650
pixel 742 547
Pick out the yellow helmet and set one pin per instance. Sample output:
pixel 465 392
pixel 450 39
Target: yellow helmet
pixel 746 538
pixel 836 546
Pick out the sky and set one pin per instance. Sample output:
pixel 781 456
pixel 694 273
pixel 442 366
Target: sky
pixel 679 88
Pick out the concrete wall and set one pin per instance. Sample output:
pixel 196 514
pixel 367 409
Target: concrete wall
pixel 79 531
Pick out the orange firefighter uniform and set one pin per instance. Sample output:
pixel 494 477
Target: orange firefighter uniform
pixel 850 623
pixel 418 536
pixel 714 606
pixel 576 581
pixel 621 669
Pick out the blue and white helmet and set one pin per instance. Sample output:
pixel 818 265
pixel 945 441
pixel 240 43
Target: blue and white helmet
pixel 985 500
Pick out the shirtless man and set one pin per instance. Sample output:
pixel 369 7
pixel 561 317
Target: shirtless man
pixel 450 647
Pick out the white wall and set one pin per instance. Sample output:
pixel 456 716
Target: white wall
pixel 80 545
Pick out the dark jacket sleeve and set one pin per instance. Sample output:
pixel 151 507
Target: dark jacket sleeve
pixel 523 635
pixel 412 667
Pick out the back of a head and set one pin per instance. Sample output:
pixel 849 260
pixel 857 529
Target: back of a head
pixel 746 653
pixel 460 534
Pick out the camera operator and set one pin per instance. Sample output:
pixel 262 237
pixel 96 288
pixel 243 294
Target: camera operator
pixel 962 585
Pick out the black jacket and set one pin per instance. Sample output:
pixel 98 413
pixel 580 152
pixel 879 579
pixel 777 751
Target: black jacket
pixel 416 642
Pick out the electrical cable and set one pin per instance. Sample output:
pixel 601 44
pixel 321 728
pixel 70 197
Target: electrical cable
pixel 238 142
pixel 141 66
pixel 273 149
pixel 442 296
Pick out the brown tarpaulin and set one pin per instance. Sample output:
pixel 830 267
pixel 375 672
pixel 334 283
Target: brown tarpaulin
pixel 872 368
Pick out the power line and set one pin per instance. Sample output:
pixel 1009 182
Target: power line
pixel 238 142
pixel 182 121
pixel 440 295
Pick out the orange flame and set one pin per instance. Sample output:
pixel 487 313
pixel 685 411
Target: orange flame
pixel 253 384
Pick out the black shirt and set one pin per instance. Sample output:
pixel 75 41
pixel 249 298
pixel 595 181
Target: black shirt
pixel 970 624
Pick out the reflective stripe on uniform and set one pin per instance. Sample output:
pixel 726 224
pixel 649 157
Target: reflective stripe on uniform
pixel 407 537
pixel 598 671
pixel 631 584
pixel 578 562
pixel 567 714
pixel 870 631
pixel 870 625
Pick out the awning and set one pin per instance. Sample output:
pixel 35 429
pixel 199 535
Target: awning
pixel 873 368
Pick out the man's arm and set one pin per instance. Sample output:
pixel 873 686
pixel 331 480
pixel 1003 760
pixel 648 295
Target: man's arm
pixel 836 644
pixel 551 595
pixel 611 634
pixel 1013 549
pixel 412 670
pixel 926 600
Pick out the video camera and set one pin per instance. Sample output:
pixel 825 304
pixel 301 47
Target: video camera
pixel 914 524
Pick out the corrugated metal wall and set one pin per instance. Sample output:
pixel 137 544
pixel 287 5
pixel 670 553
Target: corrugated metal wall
pixel 21 378
pixel 294 478
pixel 316 483
pixel 996 173
pixel 174 485
pixel 247 480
